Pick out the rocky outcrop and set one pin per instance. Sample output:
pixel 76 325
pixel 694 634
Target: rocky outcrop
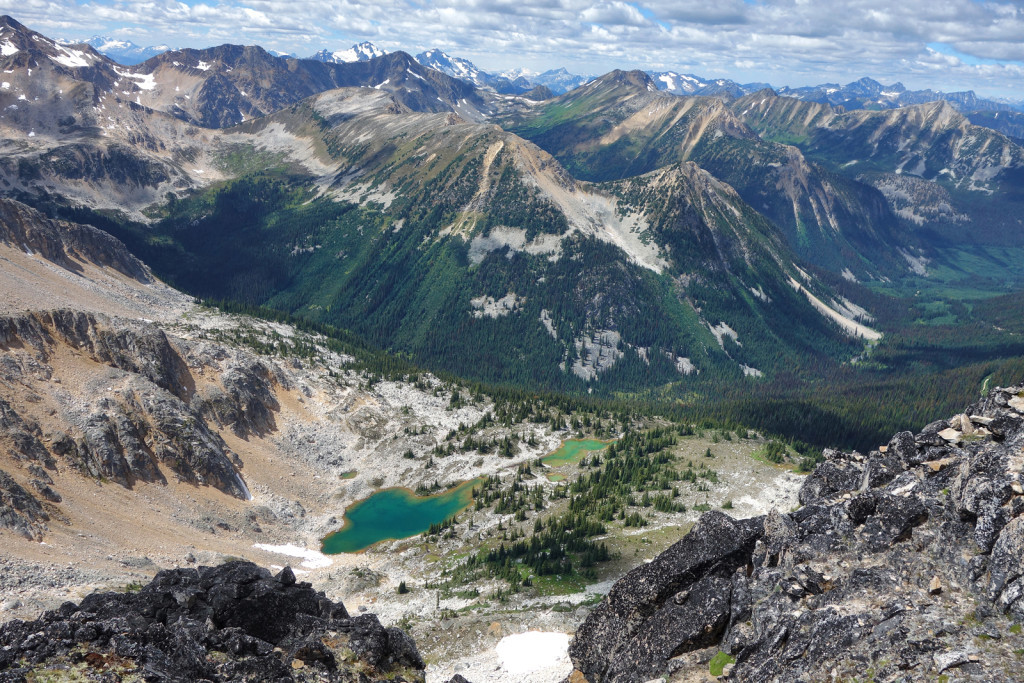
pixel 907 562
pixel 235 622
pixel 128 433
pixel 246 403
pixel 133 346
pixel 19 509
pixel 64 243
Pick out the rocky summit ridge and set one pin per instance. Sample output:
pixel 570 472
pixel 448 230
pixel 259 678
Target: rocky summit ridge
pixel 905 564
pixel 234 622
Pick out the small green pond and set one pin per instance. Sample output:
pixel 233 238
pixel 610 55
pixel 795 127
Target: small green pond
pixel 395 513
pixel 572 450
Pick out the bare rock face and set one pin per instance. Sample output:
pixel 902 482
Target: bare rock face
pixel 20 511
pixel 907 562
pixel 128 433
pixel 633 630
pixel 63 243
pixel 235 622
pixel 246 403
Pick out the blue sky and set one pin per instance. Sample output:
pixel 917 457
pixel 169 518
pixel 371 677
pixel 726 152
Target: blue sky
pixel 940 44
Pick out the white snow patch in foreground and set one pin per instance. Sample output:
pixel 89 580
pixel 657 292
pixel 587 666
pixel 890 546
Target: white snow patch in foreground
pixel 524 653
pixel 312 559
pixel 8 48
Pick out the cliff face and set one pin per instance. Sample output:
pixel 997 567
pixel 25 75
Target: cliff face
pixel 234 622
pixel 64 243
pixel 902 564
pixel 117 401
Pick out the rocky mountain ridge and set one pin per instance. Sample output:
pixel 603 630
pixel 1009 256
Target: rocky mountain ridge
pixel 905 563
pixel 121 51
pixel 867 93
pixel 927 140
pixel 214 87
pixel 621 125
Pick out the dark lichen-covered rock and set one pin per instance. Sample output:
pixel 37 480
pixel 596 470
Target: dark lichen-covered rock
pixel 618 631
pixel 838 474
pixel 890 555
pixel 1006 568
pixel 235 622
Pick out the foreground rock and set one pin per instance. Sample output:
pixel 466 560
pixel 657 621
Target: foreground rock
pixel 234 622
pixel 901 565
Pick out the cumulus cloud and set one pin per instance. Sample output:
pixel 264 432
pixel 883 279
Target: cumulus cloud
pixel 785 42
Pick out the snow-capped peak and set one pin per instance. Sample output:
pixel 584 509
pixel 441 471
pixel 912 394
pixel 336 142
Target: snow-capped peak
pixel 363 52
pixel 456 67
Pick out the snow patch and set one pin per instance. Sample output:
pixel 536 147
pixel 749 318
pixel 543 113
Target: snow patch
pixel 526 653
pixel 70 58
pixel 8 48
pixel 203 66
pixel 145 81
pixel 312 559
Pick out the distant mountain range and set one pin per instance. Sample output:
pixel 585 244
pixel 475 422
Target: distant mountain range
pixel 122 51
pixel 865 93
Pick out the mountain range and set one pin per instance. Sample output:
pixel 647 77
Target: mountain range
pixel 756 231
pixel 121 51
pixel 361 52
pixel 865 93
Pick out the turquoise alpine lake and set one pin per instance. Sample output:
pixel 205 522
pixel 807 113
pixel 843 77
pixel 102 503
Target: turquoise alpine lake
pixel 393 514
